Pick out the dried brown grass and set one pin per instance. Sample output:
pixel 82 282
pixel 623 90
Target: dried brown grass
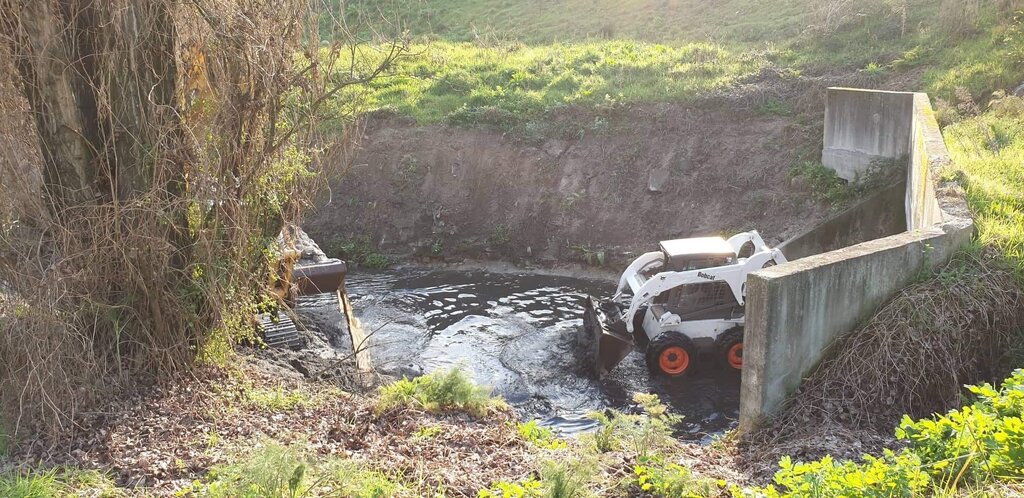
pixel 138 242
pixel 912 357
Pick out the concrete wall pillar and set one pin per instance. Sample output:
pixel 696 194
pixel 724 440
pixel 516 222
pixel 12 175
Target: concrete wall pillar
pixel 863 127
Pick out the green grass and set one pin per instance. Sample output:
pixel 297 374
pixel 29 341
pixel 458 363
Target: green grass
pixel 988 153
pixel 277 399
pixel 505 63
pixel 273 470
pixel 440 391
pixel 544 22
pixel 512 84
pixel 59 482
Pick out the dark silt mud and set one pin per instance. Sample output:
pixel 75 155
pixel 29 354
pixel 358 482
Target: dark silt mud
pixel 516 333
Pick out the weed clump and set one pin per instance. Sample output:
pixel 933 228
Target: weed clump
pixel 273 470
pixel 826 186
pixel 440 391
pixel 58 482
pixel 976 443
pixel 558 479
pixel 660 478
pixel 645 434
pixel 539 436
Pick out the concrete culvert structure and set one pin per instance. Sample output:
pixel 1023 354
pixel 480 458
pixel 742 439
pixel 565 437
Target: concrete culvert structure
pixel 796 311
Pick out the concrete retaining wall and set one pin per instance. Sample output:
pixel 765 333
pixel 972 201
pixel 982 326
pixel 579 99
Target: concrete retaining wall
pixel 795 311
pixel 880 215
pixel 865 126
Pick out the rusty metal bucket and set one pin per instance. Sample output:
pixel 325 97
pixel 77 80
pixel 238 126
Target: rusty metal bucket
pixel 327 276
pixel 603 341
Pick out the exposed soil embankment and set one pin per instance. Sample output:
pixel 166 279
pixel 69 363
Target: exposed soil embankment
pixel 612 182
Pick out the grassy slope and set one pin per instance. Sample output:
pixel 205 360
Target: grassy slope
pixel 506 63
pixel 544 22
pixel 988 151
pixel 465 83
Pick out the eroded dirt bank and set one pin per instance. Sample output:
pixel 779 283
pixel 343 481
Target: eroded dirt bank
pixel 612 182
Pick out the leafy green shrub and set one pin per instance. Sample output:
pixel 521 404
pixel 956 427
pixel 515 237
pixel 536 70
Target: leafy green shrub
pixel 892 475
pixel 659 478
pixel 976 446
pixel 591 256
pixel 272 471
pixel 376 261
pixel 826 186
pixel 530 488
pixel 539 436
pixel 440 391
pixel 975 443
pixel 644 434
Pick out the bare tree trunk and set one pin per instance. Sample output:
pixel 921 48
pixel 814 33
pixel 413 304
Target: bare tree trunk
pixel 102 96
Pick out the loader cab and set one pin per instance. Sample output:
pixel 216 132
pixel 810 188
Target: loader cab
pixel 698 301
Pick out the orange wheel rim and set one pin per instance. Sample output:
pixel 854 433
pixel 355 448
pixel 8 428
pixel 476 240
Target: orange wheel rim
pixel 735 356
pixel 674 360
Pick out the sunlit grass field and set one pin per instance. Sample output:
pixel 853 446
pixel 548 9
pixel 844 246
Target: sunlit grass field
pixel 505 63
pixel 512 83
pixel 988 150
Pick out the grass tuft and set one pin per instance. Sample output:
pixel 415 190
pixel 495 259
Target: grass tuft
pixel 440 391
pixel 59 481
pixel 274 470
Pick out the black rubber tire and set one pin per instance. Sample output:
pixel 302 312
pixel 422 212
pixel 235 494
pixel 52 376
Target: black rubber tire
pixel 724 343
pixel 664 341
pixel 639 335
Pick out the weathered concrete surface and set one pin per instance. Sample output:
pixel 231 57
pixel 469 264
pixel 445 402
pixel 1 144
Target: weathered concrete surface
pixel 865 126
pixel 930 200
pixel 796 311
pixel 880 215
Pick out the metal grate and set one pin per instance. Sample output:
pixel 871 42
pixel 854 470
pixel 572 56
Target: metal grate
pixel 280 332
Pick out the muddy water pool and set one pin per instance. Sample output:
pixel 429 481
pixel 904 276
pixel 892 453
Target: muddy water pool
pixel 515 333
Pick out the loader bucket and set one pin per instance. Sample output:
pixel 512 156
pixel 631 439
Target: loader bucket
pixel 603 341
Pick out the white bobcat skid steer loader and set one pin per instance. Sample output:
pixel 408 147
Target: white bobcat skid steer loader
pixel 681 302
